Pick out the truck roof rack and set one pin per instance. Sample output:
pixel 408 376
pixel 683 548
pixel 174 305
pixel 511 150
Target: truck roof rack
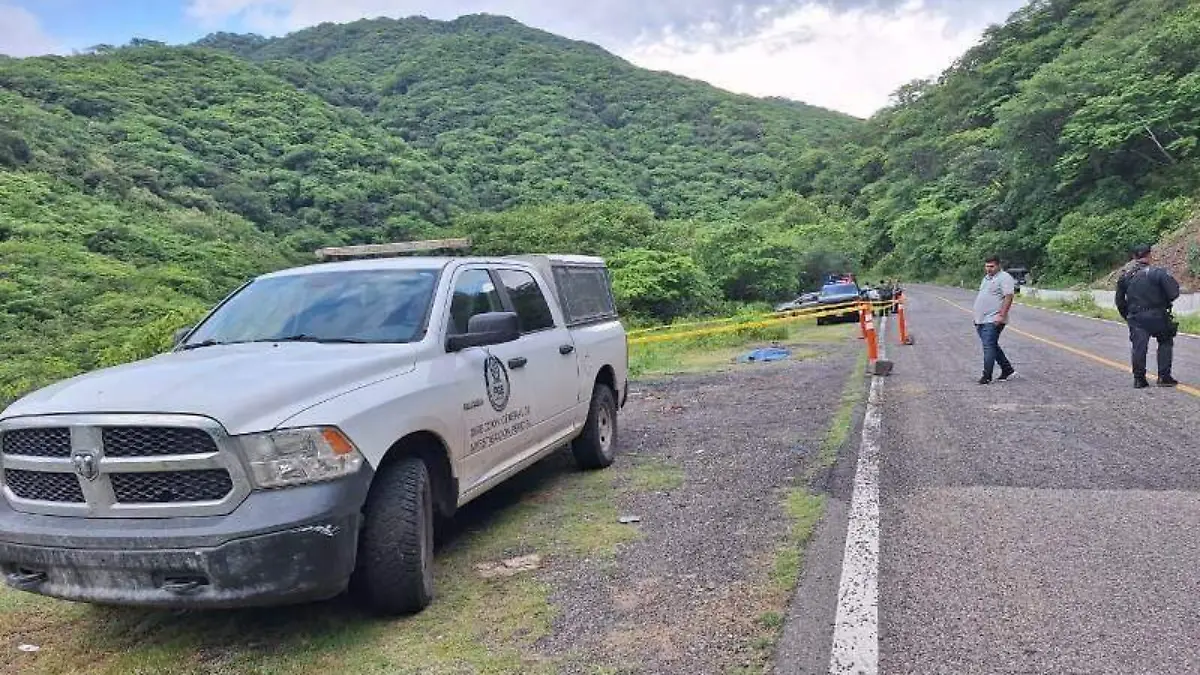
pixel 391 250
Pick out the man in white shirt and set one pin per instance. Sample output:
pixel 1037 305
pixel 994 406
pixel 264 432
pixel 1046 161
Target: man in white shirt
pixel 991 316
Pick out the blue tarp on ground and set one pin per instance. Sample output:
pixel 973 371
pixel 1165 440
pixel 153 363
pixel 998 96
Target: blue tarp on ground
pixel 765 354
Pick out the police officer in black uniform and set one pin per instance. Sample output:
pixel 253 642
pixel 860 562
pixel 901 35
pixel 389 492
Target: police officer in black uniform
pixel 1144 296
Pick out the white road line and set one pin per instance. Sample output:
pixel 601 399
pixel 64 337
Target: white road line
pixel 856 630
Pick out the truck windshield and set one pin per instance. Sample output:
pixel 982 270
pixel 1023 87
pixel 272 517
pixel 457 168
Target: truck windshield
pixel 840 289
pixel 342 306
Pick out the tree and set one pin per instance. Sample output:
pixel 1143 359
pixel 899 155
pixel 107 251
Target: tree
pixel 660 284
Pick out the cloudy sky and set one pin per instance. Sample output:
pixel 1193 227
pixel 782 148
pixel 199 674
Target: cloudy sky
pixel 848 55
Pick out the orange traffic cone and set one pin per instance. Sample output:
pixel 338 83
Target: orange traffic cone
pixel 875 365
pixel 902 318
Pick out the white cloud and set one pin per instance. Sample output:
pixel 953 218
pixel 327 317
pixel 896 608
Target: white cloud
pixel 849 55
pixel 280 16
pixel 849 60
pixel 21 34
pixel 601 20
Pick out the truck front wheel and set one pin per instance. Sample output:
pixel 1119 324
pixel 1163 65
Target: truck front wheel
pixel 596 446
pixel 395 553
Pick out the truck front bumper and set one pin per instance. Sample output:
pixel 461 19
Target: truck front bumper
pixel 278 547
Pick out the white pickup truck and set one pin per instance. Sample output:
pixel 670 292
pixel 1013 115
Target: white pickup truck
pixel 301 439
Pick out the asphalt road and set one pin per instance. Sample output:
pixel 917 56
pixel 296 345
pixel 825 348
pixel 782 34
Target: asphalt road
pixel 1046 525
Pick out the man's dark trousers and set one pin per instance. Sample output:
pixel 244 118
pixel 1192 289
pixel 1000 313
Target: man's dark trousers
pixel 1140 338
pixel 989 335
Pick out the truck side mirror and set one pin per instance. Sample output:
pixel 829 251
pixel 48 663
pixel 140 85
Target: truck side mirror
pixel 179 335
pixel 489 328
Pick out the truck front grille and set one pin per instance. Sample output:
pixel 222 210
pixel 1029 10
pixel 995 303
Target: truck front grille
pixel 155 441
pixel 37 442
pixel 121 466
pixel 44 486
pixel 166 487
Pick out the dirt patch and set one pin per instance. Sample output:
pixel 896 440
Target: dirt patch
pixel 1175 252
pixel 715 458
pixel 510 567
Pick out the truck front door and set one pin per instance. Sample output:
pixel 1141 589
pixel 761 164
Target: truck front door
pixel 496 398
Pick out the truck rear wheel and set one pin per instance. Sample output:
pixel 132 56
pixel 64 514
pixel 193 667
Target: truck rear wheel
pixel 596 447
pixel 395 553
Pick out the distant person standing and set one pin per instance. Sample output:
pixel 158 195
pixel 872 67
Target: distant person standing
pixel 991 316
pixel 1144 296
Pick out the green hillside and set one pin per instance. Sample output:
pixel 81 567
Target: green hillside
pixel 138 185
pixel 524 117
pixel 1067 135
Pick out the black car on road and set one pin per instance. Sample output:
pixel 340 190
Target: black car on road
pixel 839 294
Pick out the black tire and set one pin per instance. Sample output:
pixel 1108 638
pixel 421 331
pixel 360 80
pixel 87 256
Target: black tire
pixel 394 574
pixel 596 447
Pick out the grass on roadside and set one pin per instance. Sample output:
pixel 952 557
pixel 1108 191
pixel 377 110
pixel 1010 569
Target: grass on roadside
pixel 838 434
pixel 654 475
pixel 709 353
pixel 1085 305
pixel 804 511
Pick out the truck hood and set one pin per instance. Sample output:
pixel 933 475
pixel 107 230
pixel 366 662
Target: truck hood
pixel 248 387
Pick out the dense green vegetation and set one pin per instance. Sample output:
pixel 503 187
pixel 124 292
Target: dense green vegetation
pixel 521 116
pixel 139 184
pixel 1065 136
pixel 87 281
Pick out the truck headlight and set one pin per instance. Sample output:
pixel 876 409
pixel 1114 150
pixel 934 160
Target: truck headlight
pixel 298 456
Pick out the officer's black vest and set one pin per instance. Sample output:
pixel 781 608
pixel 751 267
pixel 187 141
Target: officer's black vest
pixel 1144 291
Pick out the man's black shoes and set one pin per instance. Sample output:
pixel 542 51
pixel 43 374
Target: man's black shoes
pixel 985 380
pixel 1167 381
pixel 1007 373
pixel 1140 383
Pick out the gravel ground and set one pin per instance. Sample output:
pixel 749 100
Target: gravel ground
pixel 685 598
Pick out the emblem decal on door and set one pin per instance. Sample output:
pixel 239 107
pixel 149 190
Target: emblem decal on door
pixel 495 380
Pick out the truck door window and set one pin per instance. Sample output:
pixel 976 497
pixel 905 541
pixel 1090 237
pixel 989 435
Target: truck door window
pixel 528 300
pixel 585 293
pixel 474 293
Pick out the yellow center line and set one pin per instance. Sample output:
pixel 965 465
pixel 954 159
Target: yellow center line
pixel 1078 352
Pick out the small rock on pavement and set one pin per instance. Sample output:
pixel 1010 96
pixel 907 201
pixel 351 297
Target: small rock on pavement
pixel 510 567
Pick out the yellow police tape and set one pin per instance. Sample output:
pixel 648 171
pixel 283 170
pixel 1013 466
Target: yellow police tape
pixel 712 322
pixel 808 311
pixel 780 318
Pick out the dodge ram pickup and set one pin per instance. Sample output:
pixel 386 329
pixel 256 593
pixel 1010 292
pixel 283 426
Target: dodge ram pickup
pixel 302 439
